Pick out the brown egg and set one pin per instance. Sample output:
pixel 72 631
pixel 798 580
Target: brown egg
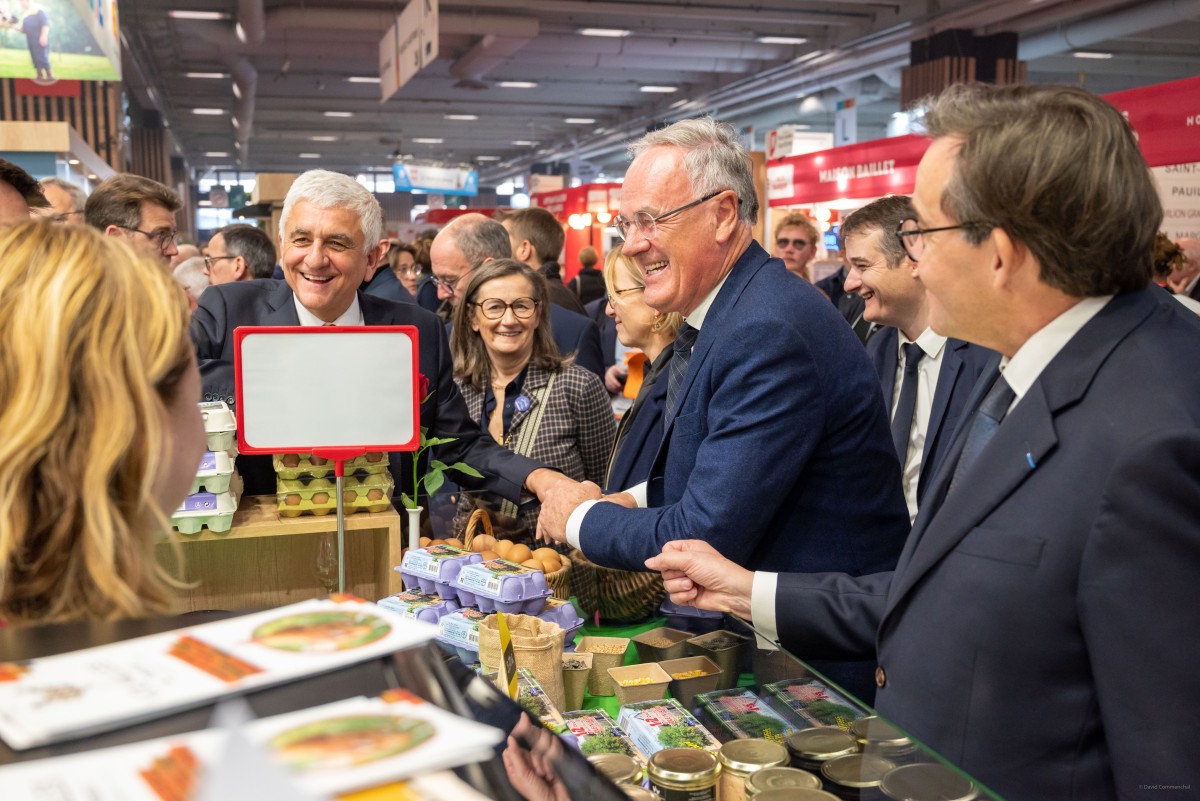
pixel 546 555
pixel 373 457
pixel 483 542
pixel 375 494
pixel 348 496
pixel 317 460
pixel 503 547
pixel 320 497
pixel 535 564
pixel 455 541
pixel 551 567
pixel 488 555
pixel 290 460
pixel 424 541
pixel 519 553
pixel 292 500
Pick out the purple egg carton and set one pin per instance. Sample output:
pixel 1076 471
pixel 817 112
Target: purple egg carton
pixel 433 569
pixel 689 618
pixel 458 633
pixel 564 615
pixel 501 585
pixel 418 605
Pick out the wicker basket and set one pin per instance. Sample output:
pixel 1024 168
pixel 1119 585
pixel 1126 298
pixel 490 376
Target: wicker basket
pixel 559 580
pixel 620 596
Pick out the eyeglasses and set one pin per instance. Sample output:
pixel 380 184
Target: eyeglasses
pixel 617 294
pixel 912 237
pixel 646 222
pixel 448 284
pixel 163 239
pixel 783 242
pixel 412 269
pixel 494 308
pixel 208 260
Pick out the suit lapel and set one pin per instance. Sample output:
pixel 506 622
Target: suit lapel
pixel 1027 437
pixel 282 307
pixel 885 350
pixel 947 377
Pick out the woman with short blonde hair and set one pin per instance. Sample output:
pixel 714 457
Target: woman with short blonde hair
pixel 102 435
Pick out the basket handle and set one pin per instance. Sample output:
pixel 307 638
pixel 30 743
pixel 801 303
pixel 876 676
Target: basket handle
pixel 480 514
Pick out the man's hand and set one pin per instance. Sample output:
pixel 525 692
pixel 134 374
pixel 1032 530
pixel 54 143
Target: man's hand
pixel 614 378
pixel 695 574
pixel 531 761
pixel 558 505
pixel 541 480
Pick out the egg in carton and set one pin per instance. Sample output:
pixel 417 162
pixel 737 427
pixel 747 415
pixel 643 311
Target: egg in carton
pixel 434 568
pixel 500 585
pixel 220 427
pixel 371 492
pixel 215 472
pixel 295 466
pixel 418 605
pixel 211 510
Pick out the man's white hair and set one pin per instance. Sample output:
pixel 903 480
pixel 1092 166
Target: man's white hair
pixel 190 273
pixel 332 190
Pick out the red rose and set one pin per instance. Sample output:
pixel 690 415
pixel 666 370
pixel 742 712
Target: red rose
pixel 423 387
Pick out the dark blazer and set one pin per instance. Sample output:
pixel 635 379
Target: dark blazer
pixel 1040 628
pixel 834 286
pixel 1195 293
pixel 559 294
pixel 640 433
pixel 427 296
pixel 384 284
pixel 228 306
pixel 962 364
pixel 608 330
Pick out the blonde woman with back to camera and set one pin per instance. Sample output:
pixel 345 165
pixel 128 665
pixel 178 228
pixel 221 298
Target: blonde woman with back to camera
pixel 102 435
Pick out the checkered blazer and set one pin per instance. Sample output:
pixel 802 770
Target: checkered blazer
pixel 577 426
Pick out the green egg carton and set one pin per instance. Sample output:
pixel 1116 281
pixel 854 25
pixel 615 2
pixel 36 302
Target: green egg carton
pixel 297 466
pixel 215 472
pixel 220 427
pixel 205 510
pixel 371 492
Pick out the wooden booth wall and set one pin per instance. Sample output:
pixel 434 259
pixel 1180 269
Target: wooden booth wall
pixel 95 113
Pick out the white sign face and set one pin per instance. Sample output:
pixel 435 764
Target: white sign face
pixel 779 181
pixel 408 46
pixel 1179 190
pixel 845 123
pixel 311 389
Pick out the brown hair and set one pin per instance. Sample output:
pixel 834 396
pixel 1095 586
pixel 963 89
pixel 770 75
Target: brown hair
pixel 471 362
pixel 25 184
pixel 118 201
pixel 541 228
pixel 1168 256
pixel 799 220
pixel 1060 171
pixel 90 354
pixel 885 214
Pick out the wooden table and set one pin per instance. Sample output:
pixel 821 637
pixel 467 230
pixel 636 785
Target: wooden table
pixel 266 560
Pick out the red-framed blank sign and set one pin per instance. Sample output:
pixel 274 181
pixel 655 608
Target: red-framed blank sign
pixel 337 392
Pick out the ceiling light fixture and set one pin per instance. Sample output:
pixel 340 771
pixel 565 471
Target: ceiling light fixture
pixel 362 79
pixel 72 162
pixel 215 154
pixel 208 112
pixel 185 14
pixel 680 103
pixel 428 141
pixel 1092 54
pixel 609 33
pixel 462 117
pixel 579 120
pixel 660 89
pixel 323 138
pixel 339 113
pixel 783 40
pixel 517 84
pixel 523 143
pixel 487 158
pixel 308 155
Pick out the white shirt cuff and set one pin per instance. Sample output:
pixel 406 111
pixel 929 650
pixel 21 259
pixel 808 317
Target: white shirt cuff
pixel 575 523
pixel 762 609
pixel 639 494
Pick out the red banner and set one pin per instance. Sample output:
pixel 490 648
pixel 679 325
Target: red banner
pixel 593 198
pixel 1166 117
pixel 24 86
pixel 865 170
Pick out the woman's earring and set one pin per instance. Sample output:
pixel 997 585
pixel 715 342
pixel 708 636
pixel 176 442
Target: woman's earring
pixel 660 320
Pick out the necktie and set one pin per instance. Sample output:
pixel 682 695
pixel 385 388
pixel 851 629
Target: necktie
pixel 684 341
pixel 903 418
pixel 984 425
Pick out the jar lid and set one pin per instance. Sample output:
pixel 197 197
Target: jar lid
pixel 683 765
pixel 857 770
pixel 927 782
pixel 636 793
pixel 876 732
pixel 747 756
pixel 781 779
pixel 795 794
pixel 817 745
pixel 616 767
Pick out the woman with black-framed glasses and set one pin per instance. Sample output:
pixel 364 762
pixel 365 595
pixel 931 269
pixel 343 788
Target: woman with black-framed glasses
pixel 518 386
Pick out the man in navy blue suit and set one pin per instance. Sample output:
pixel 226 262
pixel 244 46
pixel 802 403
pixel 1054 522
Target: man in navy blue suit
pixel 926 377
pixel 472 239
pixel 776 446
pixel 1040 627
pixel 331 241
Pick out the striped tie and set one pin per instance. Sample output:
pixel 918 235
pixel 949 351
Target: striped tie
pixel 684 341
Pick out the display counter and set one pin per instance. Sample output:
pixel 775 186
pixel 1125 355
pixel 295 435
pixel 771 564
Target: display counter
pixel 769 710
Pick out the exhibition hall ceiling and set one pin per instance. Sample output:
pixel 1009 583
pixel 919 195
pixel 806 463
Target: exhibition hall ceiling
pixel 519 82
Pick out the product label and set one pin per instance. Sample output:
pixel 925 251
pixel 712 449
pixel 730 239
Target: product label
pixel 462 627
pixel 208 463
pixel 708 793
pixel 410 602
pixel 488 577
pixel 428 561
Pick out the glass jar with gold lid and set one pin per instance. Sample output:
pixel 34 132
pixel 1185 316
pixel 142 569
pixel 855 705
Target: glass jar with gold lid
pixel 780 779
pixel 811 748
pixel 684 774
pixel 927 781
pixel 856 777
pixel 741 758
pixel 618 768
pixel 876 736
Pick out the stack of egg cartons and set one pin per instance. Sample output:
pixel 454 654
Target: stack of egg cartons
pixel 306 484
pixel 217 488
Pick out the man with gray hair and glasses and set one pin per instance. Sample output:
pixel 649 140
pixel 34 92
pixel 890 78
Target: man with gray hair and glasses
pixel 1040 628
pixel 776 448
pixel 66 200
pixel 331 240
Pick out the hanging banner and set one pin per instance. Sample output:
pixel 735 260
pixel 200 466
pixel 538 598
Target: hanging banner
pixel 845 123
pixel 866 170
pixel 1166 117
pixel 53 40
pixel 441 180
pixel 408 46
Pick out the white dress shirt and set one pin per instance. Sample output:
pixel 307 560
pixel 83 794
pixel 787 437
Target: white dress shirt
pixel 351 316
pixel 933 345
pixel 575 521
pixel 1020 372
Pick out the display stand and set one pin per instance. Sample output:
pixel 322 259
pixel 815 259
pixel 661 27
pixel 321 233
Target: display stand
pixel 284 406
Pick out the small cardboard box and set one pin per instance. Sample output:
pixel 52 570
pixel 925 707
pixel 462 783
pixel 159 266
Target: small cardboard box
pixel 635 683
pixel 662 643
pixel 686 689
pixel 655 725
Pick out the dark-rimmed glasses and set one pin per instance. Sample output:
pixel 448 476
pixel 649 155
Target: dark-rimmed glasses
pixel 618 294
pixel 912 236
pixel 163 239
pixel 646 222
pixel 448 284
pixel 208 260
pixel 494 308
